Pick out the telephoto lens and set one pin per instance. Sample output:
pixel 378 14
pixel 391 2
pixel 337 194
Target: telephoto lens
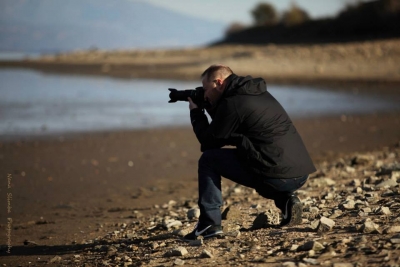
pixel 197 95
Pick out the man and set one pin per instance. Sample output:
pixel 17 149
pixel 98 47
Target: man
pixel 270 155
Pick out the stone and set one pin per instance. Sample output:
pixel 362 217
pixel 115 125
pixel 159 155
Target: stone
pixel 172 224
pixel 387 184
pixel 193 213
pixel 325 225
pixel 206 254
pixel 343 264
pixel 179 262
pixel 55 259
pixel 362 159
pixel 383 211
pixel 392 229
pixel 289 264
pixel 196 243
pixel 178 251
pixel 348 204
pixel 369 227
pixel 311 245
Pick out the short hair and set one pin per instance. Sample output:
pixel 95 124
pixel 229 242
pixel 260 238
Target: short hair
pixel 222 70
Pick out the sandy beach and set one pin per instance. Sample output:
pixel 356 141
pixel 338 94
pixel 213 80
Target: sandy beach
pixel 68 190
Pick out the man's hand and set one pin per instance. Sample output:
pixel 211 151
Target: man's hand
pixel 192 105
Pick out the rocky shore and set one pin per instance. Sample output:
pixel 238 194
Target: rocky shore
pixel 351 218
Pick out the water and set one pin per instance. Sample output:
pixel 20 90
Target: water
pixel 36 104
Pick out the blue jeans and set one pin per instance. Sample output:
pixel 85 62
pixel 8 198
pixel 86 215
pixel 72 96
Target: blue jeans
pixel 225 162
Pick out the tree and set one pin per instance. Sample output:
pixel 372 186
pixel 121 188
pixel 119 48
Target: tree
pixel 234 27
pixel 264 14
pixel 295 16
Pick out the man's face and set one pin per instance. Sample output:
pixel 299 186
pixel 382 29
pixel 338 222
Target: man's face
pixel 212 90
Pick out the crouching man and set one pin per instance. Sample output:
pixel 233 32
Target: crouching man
pixel 269 154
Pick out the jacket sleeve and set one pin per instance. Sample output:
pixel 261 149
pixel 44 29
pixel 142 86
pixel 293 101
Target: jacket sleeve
pixel 217 133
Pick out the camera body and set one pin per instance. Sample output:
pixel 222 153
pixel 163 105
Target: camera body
pixel 197 96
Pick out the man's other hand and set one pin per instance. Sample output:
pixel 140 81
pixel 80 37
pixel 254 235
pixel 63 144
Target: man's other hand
pixel 192 105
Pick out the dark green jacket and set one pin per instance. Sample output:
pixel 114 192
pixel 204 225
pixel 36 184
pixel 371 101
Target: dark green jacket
pixel 250 118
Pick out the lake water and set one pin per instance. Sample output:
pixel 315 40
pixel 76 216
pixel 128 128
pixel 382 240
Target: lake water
pixel 37 104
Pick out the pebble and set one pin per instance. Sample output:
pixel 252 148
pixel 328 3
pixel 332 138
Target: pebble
pixel 206 254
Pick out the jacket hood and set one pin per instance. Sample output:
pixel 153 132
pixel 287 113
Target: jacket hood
pixel 237 85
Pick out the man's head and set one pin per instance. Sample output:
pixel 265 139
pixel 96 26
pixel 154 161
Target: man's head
pixel 213 80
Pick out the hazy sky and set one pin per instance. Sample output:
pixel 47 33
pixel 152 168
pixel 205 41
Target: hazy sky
pixel 229 11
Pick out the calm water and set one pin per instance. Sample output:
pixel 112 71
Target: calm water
pixel 32 103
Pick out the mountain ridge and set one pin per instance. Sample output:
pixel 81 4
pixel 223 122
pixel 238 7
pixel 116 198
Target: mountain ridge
pixel 32 25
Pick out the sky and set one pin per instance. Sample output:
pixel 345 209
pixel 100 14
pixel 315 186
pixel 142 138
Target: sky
pixel 229 11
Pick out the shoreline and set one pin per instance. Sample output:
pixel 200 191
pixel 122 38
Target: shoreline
pixel 376 62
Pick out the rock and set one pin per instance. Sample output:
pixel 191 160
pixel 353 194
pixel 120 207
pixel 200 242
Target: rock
pixel 311 245
pixel 179 262
pixel 325 225
pixel 392 229
pixel 178 251
pixel 206 254
pixel 395 240
pixel 193 213
pixel 336 213
pixel 383 211
pixel 198 242
pixel 311 261
pixel 234 233
pixel 369 227
pixel 111 251
pixel 348 204
pixel 289 264
pixel 387 184
pixel 342 264
pixel 266 218
pixel 55 259
pixel 321 182
pixel 172 224
pixel 362 160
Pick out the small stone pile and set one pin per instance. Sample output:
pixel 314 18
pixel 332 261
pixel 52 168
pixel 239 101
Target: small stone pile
pixel 351 217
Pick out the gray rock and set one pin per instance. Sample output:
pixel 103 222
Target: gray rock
pixel 193 213
pixel 196 243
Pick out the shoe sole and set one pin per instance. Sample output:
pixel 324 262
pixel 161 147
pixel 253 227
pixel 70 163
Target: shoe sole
pixel 297 211
pixel 218 233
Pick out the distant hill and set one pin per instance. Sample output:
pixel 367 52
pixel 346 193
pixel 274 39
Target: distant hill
pixel 365 21
pixel 60 25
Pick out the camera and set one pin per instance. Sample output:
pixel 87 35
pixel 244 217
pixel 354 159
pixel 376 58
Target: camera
pixel 197 95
